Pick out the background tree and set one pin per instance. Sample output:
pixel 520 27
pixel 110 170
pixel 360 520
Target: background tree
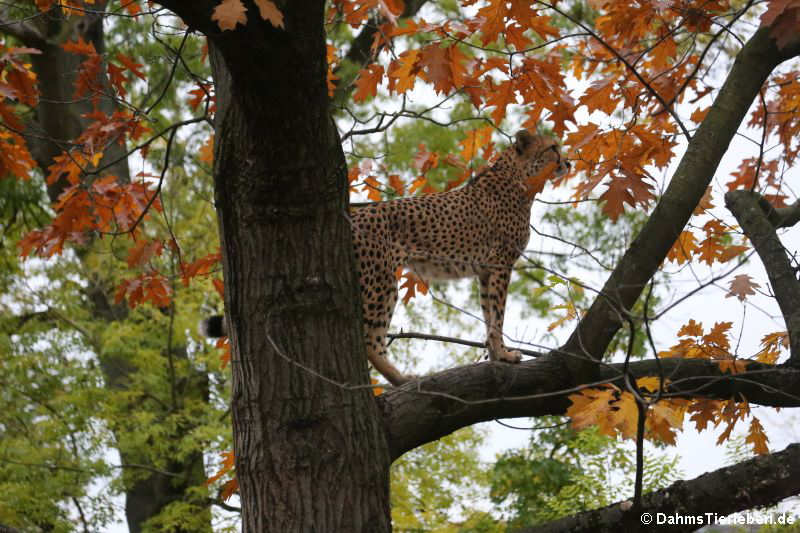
pixel 313 443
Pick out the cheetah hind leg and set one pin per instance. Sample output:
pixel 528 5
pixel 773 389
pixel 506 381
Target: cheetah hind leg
pixel 378 307
pixel 494 287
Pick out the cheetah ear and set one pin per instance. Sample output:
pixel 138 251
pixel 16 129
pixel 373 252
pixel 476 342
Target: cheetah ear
pixel 522 140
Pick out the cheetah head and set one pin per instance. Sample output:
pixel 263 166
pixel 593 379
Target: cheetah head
pixel 535 152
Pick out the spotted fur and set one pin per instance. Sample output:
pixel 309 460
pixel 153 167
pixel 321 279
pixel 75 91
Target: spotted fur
pixel 478 230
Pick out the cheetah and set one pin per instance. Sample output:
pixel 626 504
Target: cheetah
pixel 478 230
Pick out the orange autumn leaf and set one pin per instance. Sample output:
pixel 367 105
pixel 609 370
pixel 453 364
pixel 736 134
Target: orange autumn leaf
pixel 718 336
pixel 206 152
pixel 131 65
pixel 225 357
pixel 598 96
pixel 757 437
pixel 493 17
pixel 625 188
pixel 691 329
pixel 592 407
pixel 230 488
pixel 474 141
pixel 373 189
pixel 150 287
pixel 219 286
pixel 199 267
pixel 70 166
pixel 418 183
pixel 624 415
pixel 704 411
pixel 425 160
pixel 665 419
pixel 228 467
pixel 500 97
pixel 367 83
pixel 699 114
pixel 397 183
pixel 229 13
pixel 412 284
pixel 142 251
pixel 131 6
pixel 683 249
pixel 403 71
pixel 270 12
pixel 79 47
pixel 742 286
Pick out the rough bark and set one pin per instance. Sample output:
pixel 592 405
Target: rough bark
pixel 310 455
pixel 759 482
pixel 58 121
pixel 754 63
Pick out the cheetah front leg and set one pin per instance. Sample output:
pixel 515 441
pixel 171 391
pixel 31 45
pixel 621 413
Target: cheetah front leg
pixel 494 287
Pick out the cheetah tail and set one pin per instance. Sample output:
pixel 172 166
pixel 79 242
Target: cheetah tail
pixel 213 326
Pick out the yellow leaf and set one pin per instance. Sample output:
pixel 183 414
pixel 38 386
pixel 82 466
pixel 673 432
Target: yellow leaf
pixel 681 251
pixel 650 383
pixel 475 140
pixel 571 314
pixel 718 336
pixel 625 416
pixel 757 437
pixel 669 411
pixel 403 71
pixel 691 329
pixel 591 407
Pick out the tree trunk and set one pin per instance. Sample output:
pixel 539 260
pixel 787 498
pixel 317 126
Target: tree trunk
pixel 311 453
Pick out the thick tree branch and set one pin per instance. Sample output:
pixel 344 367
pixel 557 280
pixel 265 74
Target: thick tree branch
pixel 753 211
pixel 22 30
pixel 436 405
pixel 759 482
pixel 786 217
pixel 753 65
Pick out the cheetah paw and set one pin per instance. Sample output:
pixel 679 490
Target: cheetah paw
pixel 509 356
